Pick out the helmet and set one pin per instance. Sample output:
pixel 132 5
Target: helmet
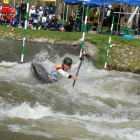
pixel 67 61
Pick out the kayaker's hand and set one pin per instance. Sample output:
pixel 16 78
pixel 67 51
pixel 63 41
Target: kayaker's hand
pixel 74 77
pixel 84 53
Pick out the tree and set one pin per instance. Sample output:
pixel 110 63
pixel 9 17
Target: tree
pixel 38 5
pixel 59 8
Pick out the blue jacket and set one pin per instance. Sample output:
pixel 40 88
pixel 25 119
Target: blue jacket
pixel 47 21
pixel 47 12
pixel 15 23
pixel 52 10
pixel 17 11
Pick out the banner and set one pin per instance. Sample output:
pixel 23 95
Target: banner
pixel 6 1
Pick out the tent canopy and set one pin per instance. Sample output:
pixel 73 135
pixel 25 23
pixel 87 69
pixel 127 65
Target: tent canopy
pixel 124 2
pixel 92 3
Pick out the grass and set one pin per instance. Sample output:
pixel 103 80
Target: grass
pixel 99 40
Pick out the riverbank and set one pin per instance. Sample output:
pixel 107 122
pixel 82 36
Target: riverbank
pixel 124 55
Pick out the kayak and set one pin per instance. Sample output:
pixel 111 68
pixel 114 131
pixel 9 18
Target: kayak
pixel 40 73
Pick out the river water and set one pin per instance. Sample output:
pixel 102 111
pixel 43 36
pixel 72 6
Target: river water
pixel 103 105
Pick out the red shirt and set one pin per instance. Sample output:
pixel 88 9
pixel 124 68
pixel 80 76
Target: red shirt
pixel 5 9
pixel 11 18
pixel 12 11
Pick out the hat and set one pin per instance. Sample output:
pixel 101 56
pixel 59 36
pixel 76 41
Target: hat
pixel 40 7
pixel 44 5
pixel 32 6
pixel 109 6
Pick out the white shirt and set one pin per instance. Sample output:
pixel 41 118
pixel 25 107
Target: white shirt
pixel 31 12
pixel 40 13
pixel 108 13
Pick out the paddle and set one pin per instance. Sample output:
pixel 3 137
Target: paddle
pixel 82 58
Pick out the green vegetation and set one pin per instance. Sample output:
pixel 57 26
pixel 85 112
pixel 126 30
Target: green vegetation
pixel 122 45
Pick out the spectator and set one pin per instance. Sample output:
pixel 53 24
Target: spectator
pixel 79 12
pixel 30 22
pixel 12 11
pixel 139 24
pixel 15 23
pixel 0 8
pixel 10 19
pixel 117 9
pixel 5 8
pixel 23 9
pixel 47 12
pixel 52 10
pixel 10 6
pixel 47 22
pixel 44 11
pixel 5 18
pixel 40 11
pixel 39 22
pixel 53 22
pixel 17 12
pixel 35 22
pixel 95 19
pixel 23 21
pixel 108 18
pixel 2 18
pixel 44 19
pixel 69 26
pixel 32 12
pixel 37 12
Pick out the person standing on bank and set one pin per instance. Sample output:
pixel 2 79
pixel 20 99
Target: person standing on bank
pixel 52 10
pixel 95 19
pixel 116 15
pixel 79 12
pixel 108 17
pixel 23 9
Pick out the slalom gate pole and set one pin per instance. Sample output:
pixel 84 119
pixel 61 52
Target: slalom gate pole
pixel 12 26
pixel 109 42
pixel 22 56
pixel 82 43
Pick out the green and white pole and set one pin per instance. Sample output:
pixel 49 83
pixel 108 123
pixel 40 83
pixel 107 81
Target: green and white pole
pixel 109 42
pixel 24 38
pixel 82 43
pixel 83 37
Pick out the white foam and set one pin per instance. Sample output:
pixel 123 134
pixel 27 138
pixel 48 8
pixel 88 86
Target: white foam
pixel 25 111
pixel 121 133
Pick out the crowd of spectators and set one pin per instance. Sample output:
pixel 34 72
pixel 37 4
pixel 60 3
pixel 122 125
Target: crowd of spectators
pixel 42 17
